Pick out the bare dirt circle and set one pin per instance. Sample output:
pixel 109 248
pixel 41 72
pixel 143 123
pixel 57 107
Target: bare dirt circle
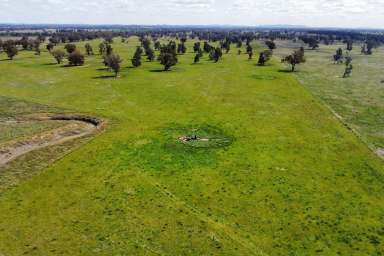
pixel 200 136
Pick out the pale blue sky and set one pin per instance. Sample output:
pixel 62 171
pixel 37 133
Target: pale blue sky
pixel 336 13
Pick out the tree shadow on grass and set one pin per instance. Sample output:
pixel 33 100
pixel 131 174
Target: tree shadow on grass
pixel 286 71
pixel 158 70
pixel 104 77
pixel 49 64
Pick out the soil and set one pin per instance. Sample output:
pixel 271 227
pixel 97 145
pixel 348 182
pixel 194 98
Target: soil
pixel 78 126
pixel 380 152
pixel 186 139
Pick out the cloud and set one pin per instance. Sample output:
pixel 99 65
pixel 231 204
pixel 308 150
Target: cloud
pixel 315 13
pixel 192 3
pixel 240 12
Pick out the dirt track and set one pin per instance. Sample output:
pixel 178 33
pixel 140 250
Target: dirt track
pixel 78 126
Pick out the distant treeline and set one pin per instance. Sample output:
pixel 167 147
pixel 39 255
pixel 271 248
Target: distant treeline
pixel 75 33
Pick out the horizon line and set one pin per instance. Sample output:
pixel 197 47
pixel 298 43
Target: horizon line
pixel 191 25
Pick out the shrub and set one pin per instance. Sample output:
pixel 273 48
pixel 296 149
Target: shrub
pixel 70 48
pixel 58 55
pixel 76 58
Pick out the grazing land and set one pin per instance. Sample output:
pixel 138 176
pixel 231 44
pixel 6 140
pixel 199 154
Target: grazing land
pixel 275 173
pixel 359 100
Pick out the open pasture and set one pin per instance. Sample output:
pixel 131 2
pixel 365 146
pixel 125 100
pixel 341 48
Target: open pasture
pixel 359 99
pixel 284 176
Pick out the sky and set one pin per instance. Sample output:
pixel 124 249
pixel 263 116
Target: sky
pixel 314 13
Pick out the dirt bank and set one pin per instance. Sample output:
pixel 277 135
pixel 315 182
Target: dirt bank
pixel 76 126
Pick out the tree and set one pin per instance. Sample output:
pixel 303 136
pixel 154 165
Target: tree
pixel 76 58
pixel 88 49
pixel 226 44
pixel 207 48
pixel 249 51
pixel 24 41
pixel 108 39
pixel 150 54
pixel 70 48
pixel 167 59
pixel 313 43
pixel 248 41
pixel 368 46
pixel 108 49
pixel 349 45
pixel 50 47
pixel 270 44
pixel 297 57
pixel 264 57
pixel 136 60
pixel 102 48
pixel 196 47
pixel 212 54
pixel 167 56
pixel 139 50
pixel 58 55
pixel 227 47
pixel 36 46
pixel 215 54
pixel 145 43
pixel 200 53
pixel 10 49
pixel 54 40
pixel 239 44
pixel 250 55
pixel 348 67
pixel 157 45
pixel 113 62
pixel 338 57
pixel 172 47
pixel 181 49
pixel 197 58
pixel 41 38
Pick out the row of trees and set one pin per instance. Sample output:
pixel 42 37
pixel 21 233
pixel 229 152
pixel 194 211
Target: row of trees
pixel 70 34
pixel 339 58
pixel 168 52
pixel 225 39
pixel 167 57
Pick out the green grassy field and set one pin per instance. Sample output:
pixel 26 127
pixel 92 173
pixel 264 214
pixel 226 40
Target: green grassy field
pixel 290 179
pixel 359 99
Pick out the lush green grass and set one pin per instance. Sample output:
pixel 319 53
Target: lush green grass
pixel 293 181
pixel 359 99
